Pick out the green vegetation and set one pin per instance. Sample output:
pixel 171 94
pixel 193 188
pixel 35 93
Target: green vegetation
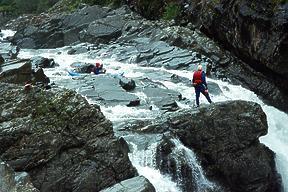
pixel 277 2
pixel 151 9
pixel 111 3
pixel 38 6
pixel 172 10
pixel 27 6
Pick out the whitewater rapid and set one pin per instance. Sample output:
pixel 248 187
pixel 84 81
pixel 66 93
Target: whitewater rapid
pixel 144 159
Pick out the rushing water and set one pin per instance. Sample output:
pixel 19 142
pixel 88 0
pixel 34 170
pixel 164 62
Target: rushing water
pixel 143 158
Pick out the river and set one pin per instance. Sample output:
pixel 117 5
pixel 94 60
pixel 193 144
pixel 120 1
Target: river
pixel 143 146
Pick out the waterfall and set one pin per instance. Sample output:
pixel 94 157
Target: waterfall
pixel 182 152
pixel 144 161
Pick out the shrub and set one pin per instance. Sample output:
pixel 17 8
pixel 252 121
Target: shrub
pixel 172 10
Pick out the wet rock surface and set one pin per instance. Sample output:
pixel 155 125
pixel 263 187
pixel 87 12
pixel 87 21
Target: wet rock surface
pixel 225 138
pixel 14 181
pixel 21 72
pixel 42 62
pixel 60 140
pixel 136 184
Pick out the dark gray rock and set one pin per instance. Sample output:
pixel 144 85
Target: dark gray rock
pixel 134 103
pixel 14 181
pixel 39 77
pixel 2 60
pixel 64 143
pixel 82 67
pixel 43 62
pixel 84 16
pixel 225 138
pixel 127 84
pixel 20 72
pixel 136 184
pixel 181 165
pixel 104 89
pixel 162 98
pixel 103 30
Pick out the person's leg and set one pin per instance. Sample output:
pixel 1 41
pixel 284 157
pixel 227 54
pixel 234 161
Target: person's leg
pixel 197 91
pixel 206 95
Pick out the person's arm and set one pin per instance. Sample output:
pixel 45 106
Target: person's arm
pixel 193 78
pixel 204 80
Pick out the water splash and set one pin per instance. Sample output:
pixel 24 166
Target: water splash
pixel 144 161
pixel 202 183
pixel 6 33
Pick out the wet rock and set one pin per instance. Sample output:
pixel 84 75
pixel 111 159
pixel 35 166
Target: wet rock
pixel 82 67
pixel 136 184
pixel 103 30
pixel 134 103
pixel 127 84
pixel 84 16
pixel 20 72
pixel 77 50
pixel 14 181
pixel 182 166
pixel 225 136
pixel 64 143
pixel 2 60
pixel 162 98
pixel 43 62
pixel 169 107
pixel 40 77
pixel 104 89
pixel 57 30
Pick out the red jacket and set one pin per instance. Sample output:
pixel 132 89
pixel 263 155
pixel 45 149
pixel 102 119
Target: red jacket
pixel 197 77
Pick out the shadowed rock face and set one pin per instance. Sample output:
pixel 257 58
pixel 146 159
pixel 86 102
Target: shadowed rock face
pixel 225 138
pixel 64 143
pixel 12 181
pixel 255 31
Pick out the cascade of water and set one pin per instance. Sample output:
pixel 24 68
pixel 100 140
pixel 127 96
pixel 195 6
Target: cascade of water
pixel 144 161
pixel 202 183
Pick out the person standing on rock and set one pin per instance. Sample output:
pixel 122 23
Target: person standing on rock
pixel 200 85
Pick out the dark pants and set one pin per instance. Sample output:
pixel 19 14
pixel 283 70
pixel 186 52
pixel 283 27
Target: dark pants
pixel 201 89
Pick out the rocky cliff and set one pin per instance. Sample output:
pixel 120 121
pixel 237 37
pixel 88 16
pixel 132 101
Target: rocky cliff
pixel 225 137
pixel 60 140
pixel 255 31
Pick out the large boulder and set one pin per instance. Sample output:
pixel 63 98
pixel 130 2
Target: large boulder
pixel 225 136
pixel 21 72
pixel 43 62
pixel 63 142
pixel 57 30
pixel 127 84
pixel 103 30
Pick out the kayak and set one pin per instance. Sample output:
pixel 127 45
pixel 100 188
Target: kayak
pixel 71 73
